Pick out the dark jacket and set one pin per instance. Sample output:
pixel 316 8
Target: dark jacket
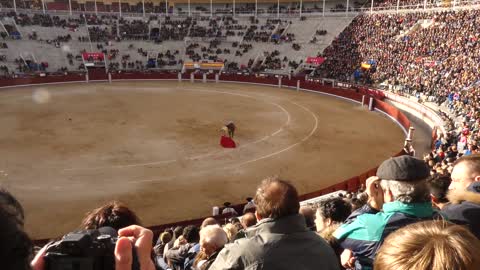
pixel 365 209
pixel 209 261
pixel 278 244
pixel 465 208
pixel 364 234
pixel 327 234
pixel 177 256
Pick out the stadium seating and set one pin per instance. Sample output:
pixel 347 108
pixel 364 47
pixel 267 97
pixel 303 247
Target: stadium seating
pixel 431 57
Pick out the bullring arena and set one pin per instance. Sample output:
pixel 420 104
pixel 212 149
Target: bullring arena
pixel 134 132
pixel 154 145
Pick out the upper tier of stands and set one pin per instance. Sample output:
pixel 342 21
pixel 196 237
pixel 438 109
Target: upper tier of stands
pixel 432 56
pixel 259 44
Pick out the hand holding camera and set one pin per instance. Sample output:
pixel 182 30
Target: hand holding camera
pixel 142 240
pixel 99 250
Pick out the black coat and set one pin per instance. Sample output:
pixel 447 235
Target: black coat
pixel 465 208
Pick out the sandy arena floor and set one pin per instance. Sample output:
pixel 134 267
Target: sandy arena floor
pixel 66 149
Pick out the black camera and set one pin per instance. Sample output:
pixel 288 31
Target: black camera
pixel 85 250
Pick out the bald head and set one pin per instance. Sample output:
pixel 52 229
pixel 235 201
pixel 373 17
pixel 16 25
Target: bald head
pixel 208 221
pixel 276 198
pixel 212 238
pixel 248 220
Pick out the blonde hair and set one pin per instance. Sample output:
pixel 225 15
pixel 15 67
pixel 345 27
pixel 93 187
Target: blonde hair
pixel 429 245
pixel 231 231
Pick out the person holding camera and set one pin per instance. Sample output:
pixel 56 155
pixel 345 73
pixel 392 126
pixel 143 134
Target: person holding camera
pixel 400 190
pixel 132 238
pixel 131 248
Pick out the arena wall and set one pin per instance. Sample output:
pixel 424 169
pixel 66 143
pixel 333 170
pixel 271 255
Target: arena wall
pixel 420 111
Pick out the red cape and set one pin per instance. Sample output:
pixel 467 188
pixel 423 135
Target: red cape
pixel 227 142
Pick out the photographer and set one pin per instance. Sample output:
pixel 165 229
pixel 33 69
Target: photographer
pixel 113 214
pixel 129 237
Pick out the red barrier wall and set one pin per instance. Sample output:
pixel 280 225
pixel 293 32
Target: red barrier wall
pixel 351 184
pixel 144 76
pixel 41 80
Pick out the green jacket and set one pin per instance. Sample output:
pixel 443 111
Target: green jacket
pixel 365 234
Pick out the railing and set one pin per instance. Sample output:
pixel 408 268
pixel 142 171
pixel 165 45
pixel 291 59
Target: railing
pixel 351 184
pixel 265 13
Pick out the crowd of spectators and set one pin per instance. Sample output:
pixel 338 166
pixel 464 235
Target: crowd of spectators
pixel 409 211
pixel 437 61
pixel 398 221
pixel 244 48
pixel 404 4
pixel 272 60
pixel 174 29
pixel 436 58
pixel 423 58
pixel 106 30
pixel 6 4
pixel 433 56
pixel 318 33
pixel 97 34
pixel 216 28
pixel 45 20
pixel 131 30
pixel 462 137
pixel 4 70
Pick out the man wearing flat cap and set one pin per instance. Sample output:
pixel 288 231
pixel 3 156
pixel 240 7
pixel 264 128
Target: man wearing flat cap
pixel 398 196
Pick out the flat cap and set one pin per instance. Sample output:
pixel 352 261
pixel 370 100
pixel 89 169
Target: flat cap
pixel 403 168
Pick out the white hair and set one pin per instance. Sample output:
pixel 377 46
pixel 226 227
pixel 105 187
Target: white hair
pixel 407 192
pixel 213 236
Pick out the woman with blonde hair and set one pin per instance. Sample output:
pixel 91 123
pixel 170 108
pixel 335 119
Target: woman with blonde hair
pixel 429 245
pixel 231 231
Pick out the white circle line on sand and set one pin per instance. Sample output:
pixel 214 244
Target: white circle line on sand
pixel 223 151
pixel 314 129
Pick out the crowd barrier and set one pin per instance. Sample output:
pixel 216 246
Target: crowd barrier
pixel 351 184
pixel 31 80
pixel 427 115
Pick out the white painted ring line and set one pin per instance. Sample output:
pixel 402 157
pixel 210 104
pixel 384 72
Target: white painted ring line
pixel 223 151
pixel 280 151
pixel 293 145
pixel 315 127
